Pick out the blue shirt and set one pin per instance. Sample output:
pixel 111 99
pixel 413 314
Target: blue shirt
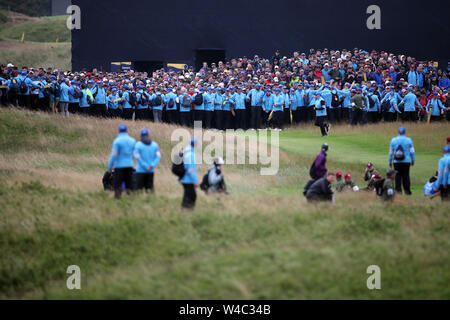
pixel 190 165
pixel 256 97
pixel 146 155
pixel 122 152
pixel 443 171
pixel 408 149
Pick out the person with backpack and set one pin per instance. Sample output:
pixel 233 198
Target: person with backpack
pixel 390 106
pixel 25 84
pixel 157 106
pixel 189 179
pixel 44 95
pixel 435 106
pixel 147 155
pixel 171 106
pixel 142 100
pixel 127 107
pixel 402 156
pixel 387 191
pixel 99 93
pixel 199 106
pixel 185 108
pixel 374 106
pixel 213 180
pixel 121 161
pixel 75 94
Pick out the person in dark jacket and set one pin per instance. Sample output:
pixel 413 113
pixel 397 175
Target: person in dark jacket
pixel 321 189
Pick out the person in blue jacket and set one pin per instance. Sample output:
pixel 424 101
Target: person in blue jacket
pixel 321 114
pixel 121 161
pixel 443 179
pixel 239 107
pixel 373 105
pixel 209 99
pixel 171 106
pixel 402 156
pixel 127 108
pixel 301 110
pixel 24 95
pixel 390 113
pixel 74 103
pixel 142 98
pixel 227 105
pixel 218 109
pixel 99 93
pixel 147 155
pixel 113 103
pixel 185 108
pixel 199 109
pixel 256 96
pixel 411 106
pixel 84 105
pixel 64 97
pixel 278 108
pixel 435 104
pixel 189 180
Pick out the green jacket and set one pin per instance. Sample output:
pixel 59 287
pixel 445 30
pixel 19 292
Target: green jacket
pixel 342 185
pixel 388 190
pixel 359 102
pixel 368 177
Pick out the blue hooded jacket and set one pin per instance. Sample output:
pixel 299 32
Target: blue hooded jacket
pixel 147 155
pixel 190 165
pixel 408 149
pixel 122 152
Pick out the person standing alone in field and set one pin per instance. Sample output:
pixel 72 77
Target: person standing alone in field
pixel 189 179
pixel 147 155
pixel 121 161
pixel 402 156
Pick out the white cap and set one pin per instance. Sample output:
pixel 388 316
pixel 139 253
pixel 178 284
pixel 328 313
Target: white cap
pixel 10 65
pixel 219 160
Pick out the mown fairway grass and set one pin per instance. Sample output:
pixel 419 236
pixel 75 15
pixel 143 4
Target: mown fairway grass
pixel 263 241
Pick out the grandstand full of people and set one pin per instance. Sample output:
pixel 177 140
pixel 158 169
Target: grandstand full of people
pixel 322 87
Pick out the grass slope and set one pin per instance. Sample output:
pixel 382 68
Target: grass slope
pixel 261 242
pixel 40 48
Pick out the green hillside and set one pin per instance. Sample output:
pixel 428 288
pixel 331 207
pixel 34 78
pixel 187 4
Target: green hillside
pixel 263 241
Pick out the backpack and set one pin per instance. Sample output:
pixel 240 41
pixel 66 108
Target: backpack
pixel 198 100
pixel 77 93
pixel 171 103
pixel 335 102
pixel 379 187
pixel 371 102
pixel 306 99
pixel 399 154
pixel 144 100
pixel 158 100
pixel 108 180
pixel 89 99
pixel 205 182
pixel 187 101
pixel 178 169
pixel 46 92
pixel 386 105
pixel 312 171
pixel 14 86
pixel 23 87
pixel 133 99
pixel 55 88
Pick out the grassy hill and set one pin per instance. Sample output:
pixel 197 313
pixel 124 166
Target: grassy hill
pixel 40 48
pixel 263 241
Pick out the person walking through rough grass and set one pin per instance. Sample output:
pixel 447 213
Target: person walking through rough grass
pixel 121 161
pixel 147 155
pixel 402 156
pixel 189 179
pixel 318 168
